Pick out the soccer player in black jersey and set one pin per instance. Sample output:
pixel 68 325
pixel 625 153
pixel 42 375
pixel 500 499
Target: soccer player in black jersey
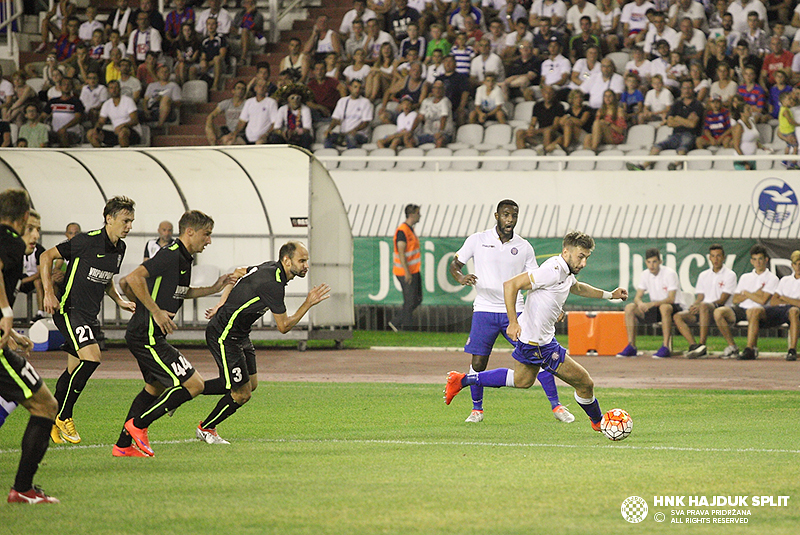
pixel 94 258
pixel 259 289
pixel 159 286
pixel 19 382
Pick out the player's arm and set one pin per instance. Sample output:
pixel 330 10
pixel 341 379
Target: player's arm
pixel 511 287
pixel 134 284
pixel 761 297
pixel 670 299
pixel 111 291
pixel 638 298
pixel 455 271
pixel 222 281
pixel 46 272
pixel 233 278
pixel 723 298
pixel 7 322
pixel 315 296
pixel 694 308
pixel 587 290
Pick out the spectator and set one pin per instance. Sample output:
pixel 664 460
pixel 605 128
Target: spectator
pixel 436 116
pixel 575 123
pixel 413 42
pixel 777 59
pixel 22 143
pixel 485 62
pixel 406 123
pixel 438 41
pixel 740 11
pixel 688 9
pixel 213 56
pixel 153 14
pixel 554 10
pixel 263 72
pixel 661 283
pixel 462 53
pixel 584 69
pixel 634 21
pixel 743 59
pixel 676 71
pixel 580 42
pixel 457 20
pixel 113 68
pixel 661 64
pixel 30 263
pixel 173 27
pixel 546 113
pixel 380 7
pixel 474 33
pixel 86 30
pixel 293 122
pixel 357 40
pixel 354 113
pixel 496 37
pixel 146 72
pixel 598 83
pixel 632 99
pixel 399 18
pixel 5 134
pixel 456 88
pixel 247 30
pixel 231 108
pixel 326 91
pixel 578 10
pixel 257 119
pixel 754 94
pixel 640 66
pixel 187 53
pixel 376 38
pixel 323 40
pixel 489 102
pixel 521 34
pixel 657 102
pixel 68 41
pixel 716 126
pixel 610 124
pixel 685 118
pixel 121 111
pixel 97 47
pixel 715 56
pixel 701 84
pixel 359 70
pixel 23 93
pixel 114 41
pixel 412 85
pixel 53 22
pixel 753 291
pixel 6 88
pixel 382 74
pixel 162 97
pixel 435 67
pixel 332 65
pixel 360 13
pixel 787 126
pixel 36 133
pixel 745 135
pixel 143 39
pixel 522 73
pixel 296 62
pixel 556 69
pixel 54 91
pixel 724 87
pixel 511 13
pixel 691 42
pixel 120 20
pixel 757 39
pixel 165 239
pixel 93 95
pixel 725 30
pixel 80 64
pixel 608 17
pixel 214 11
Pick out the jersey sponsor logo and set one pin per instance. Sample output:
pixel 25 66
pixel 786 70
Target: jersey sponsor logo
pixel 487 245
pixel 183 272
pixel 514 251
pixel 101 256
pixel 98 275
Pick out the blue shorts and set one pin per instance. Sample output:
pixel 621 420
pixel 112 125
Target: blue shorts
pixel 776 316
pixel 548 357
pixel 483 333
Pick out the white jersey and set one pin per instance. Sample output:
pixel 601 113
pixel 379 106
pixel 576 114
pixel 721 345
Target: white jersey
pixel 789 286
pixel 259 116
pixel 551 282
pixel 658 286
pixel 713 285
pixel 753 282
pixel 495 263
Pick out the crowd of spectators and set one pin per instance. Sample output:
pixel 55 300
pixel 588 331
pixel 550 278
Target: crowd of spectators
pixel 711 71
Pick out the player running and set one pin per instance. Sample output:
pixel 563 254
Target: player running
pixel 159 287
pixel 536 346
pixel 499 254
pixel 94 258
pixel 259 289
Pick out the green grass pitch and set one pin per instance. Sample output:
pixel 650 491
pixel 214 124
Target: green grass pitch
pixel 328 458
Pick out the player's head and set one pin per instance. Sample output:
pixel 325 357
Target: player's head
pixel 33 231
pixel 14 207
pixel 796 263
pixel 72 230
pixel 119 214
pixel 412 212
pixel 759 257
pixel 652 257
pixel 195 230
pixel 506 216
pixel 577 248
pixel 716 255
pixel 294 259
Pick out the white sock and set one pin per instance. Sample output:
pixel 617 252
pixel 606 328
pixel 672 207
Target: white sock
pixel 472 371
pixel 510 378
pixel 584 401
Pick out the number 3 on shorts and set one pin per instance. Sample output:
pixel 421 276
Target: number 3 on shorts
pixel 237 374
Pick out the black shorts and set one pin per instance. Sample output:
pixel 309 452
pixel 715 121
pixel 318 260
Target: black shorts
pixel 27 288
pixel 78 331
pixel 776 316
pixel 160 362
pixel 235 357
pixel 18 380
pixel 111 139
pixel 740 313
pixel 654 314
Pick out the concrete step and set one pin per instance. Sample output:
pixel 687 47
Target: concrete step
pixel 188 130
pixel 179 141
pixel 194 118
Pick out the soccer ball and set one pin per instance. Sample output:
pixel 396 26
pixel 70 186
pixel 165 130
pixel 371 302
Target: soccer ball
pixel 616 424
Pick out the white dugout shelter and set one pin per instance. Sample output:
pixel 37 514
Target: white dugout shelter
pixel 260 198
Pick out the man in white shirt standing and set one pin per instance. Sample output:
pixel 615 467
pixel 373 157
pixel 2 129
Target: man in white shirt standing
pixel 354 113
pixel 534 332
pixel 785 306
pixel 661 283
pixel 752 293
pixel 714 289
pixel 499 255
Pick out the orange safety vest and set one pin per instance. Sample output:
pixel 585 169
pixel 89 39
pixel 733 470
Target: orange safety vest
pixel 413 257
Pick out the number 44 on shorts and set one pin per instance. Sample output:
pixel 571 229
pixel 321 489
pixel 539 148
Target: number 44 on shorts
pixel 181 366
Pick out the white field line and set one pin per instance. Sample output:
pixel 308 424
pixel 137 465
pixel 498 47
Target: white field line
pixel 439 444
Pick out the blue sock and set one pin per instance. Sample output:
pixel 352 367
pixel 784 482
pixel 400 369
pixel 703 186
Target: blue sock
pixel 591 407
pixel 548 383
pixel 491 378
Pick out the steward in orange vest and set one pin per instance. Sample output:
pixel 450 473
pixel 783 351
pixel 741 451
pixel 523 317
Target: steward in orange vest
pixel 406 266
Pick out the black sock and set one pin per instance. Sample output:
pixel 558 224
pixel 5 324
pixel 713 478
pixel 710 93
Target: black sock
pixel 61 388
pixel 224 408
pixel 77 382
pixel 34 446
pixel 140 403
pixel 214 387
pixel 171 399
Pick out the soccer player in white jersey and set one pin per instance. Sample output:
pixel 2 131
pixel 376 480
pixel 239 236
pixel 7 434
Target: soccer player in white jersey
pixel 499 254
pixel 785 306
pixel 661 283
pixel 534 332
pixel 754 291
pixel 715 287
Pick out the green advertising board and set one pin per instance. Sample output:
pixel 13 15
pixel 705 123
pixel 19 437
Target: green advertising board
pixel 615 262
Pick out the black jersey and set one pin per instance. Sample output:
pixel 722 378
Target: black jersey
pixel 170 273
pixel 12 250
pixel 262 288
pixel 93 261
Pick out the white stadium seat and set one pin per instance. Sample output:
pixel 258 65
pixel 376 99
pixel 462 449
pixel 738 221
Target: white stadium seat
pixel 499 165
pixel 581 165
pixel 471 165
pixel 497 135
pixel 354 165
pixel 194 92
pixel 374 165
pixel 467 136
pixel 523 165
pixel 409 165
pixel 608 165
pixel 433 165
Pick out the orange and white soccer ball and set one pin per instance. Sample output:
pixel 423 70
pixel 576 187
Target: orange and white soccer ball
pixel 616 424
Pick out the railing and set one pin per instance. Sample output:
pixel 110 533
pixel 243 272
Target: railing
pixel 16 7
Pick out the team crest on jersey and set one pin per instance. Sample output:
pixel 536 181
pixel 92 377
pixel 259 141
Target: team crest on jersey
pixel 514 250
